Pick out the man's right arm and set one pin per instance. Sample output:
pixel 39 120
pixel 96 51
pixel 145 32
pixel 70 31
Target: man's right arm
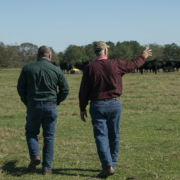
pixel 63 88
pixel 128 66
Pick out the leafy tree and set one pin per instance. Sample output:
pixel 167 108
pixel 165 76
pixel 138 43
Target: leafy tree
pixel 171 52
pixel 135 47
pixel 28 52
pixel 111 49
pixel 123 51
pixel 89 49
pixel 13 56
pixel 75 54
pixel 4 61
pixel 157 52
pixel 60 56
pixel 54 56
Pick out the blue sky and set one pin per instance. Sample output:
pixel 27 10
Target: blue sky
pixel 60 23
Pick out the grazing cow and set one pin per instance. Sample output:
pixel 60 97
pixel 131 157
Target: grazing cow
pixel 169 69
pixel 176 64
pixel 160 65
pixel 149 65
pixel 81 65
pixel 156 65
pixel 170 65
pixel 65 66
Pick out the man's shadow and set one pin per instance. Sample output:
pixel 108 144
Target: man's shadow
pixel 10 168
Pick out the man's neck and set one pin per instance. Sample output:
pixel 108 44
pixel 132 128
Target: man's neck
pixel 46 58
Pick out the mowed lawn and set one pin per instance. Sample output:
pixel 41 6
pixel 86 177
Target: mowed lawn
pixel 150 131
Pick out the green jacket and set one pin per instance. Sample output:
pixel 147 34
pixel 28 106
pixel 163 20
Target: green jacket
pixel 38 81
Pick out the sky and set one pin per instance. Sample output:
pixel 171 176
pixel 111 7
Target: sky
pixel 60 23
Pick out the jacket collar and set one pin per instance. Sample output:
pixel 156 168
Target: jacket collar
pixel 42 59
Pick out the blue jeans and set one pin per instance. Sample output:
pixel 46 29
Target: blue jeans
pixel 106 115
pixel 46 114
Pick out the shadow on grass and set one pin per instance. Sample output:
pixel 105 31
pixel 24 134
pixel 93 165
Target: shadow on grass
pixel 10 168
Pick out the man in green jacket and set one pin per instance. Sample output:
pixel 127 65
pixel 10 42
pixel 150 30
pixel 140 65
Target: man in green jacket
pixel 37 87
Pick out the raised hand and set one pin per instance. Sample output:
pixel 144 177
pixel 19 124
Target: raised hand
pixel 147 52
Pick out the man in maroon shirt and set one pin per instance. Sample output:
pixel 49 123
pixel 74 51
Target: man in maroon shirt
pixel 102 85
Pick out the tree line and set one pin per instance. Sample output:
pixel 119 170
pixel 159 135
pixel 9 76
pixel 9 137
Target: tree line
pixel 14 56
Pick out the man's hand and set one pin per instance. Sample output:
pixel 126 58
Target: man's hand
pixel 83 114
pixel 146 53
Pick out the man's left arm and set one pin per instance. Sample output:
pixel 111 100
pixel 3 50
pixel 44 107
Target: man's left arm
pixel 22 87
pixel 63 88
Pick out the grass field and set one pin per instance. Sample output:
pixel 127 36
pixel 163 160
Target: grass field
pixel 150 131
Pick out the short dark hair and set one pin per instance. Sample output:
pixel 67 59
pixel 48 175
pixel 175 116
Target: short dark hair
pixel 44 51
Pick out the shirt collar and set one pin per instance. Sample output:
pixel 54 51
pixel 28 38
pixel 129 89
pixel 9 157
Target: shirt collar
pixel 100 58
pixel 42 59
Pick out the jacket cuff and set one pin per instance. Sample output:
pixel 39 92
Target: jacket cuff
pixel 143 57
pixel 83 109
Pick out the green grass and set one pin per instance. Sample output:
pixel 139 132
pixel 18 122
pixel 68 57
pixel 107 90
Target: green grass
pixel 150 131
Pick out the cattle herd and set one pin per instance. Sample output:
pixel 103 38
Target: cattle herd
pixel 153 65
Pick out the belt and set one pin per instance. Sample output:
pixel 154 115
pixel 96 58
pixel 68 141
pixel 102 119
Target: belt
pixel 43 102
pixel 107 99
pixel 112 98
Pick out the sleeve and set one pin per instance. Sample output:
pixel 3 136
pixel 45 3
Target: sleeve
pixel 63 88
pixel 22 86
pixel 128 66
pixel 83 91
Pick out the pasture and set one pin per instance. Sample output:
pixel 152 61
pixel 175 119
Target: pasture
pixel 150 131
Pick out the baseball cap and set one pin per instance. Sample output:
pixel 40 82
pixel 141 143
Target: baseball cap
pixel 100 45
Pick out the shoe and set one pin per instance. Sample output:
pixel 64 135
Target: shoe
pixel 47 172
pixel 106 172
pixel 34 162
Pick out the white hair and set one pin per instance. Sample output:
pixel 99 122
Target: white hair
pixel 98 53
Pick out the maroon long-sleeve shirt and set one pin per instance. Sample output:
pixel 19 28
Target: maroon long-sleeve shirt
pixel 102 79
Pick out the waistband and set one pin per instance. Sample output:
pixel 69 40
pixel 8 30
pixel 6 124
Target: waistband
pixel 117 98
pixel 42 102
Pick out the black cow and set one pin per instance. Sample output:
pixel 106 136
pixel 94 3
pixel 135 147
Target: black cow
pixel 160 65
pixel 65 66
pixel 169 69
pixel 81 65
pixel 149 65
pixel 176 64
pixel 155 65
pixel 170 65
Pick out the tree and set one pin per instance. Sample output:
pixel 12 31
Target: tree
pixel 111 49
pixel 89 49
pixel 75 54
pixel 122 51
pixel 60 56
pixel 171 52
pixel 157 52
pixel 54 56
pixel 13 56
pixel 4 61
pixel 28 52
pixel 135 47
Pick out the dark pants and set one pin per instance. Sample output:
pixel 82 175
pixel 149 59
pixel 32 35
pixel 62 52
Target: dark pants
pixel 106 116
pixel 46 114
